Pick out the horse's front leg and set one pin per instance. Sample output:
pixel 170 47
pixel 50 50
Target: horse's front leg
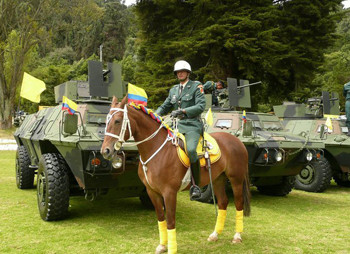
pixel 170 206
pixel 157 201
pixel 220 193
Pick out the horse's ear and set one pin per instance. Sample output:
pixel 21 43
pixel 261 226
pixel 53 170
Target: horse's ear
pixel 124 101
pixel 114 100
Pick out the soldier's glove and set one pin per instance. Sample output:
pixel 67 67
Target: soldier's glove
pixel 177 113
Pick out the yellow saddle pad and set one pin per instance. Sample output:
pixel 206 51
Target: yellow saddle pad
pixel 214 150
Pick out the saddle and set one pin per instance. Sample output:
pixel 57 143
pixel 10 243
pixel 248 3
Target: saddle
pixel 213 150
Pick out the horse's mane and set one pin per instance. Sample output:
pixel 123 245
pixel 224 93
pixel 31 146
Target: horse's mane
pixel 154 116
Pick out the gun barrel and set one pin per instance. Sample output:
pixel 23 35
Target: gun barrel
pixel 251 84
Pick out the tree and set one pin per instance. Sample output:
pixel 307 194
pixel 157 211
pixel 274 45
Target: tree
pixel 278 42
pixel 19 33
pixel 334 72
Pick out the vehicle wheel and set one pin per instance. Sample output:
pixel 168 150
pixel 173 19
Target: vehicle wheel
pixel 145 200
pixel 341 179
pixel 24 174
pixel 281 189
pixel 315 176
pixel 52 187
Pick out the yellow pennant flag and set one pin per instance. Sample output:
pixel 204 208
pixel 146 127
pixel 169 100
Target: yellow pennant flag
pixel 329 124
pixel 32 88
pixel 209 117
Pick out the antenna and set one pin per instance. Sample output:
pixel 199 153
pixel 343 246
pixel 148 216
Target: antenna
pixel 101 46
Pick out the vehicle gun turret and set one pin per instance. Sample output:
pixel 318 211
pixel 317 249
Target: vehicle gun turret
pixel 315 107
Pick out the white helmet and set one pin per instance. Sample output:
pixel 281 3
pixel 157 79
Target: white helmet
pixel 182 65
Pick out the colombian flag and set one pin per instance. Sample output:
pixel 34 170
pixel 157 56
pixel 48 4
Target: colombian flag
pixel 137 95
pixel 244 117
pixel 69 105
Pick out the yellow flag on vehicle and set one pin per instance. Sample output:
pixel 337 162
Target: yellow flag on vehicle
pixel 209 117
pixel 32 88
pixel 329 124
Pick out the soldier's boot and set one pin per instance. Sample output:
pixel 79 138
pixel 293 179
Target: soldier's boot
pixel 195 191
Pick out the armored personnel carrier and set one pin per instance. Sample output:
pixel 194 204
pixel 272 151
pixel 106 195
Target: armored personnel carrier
pixel 275 155
pixel 63 149
pixel 319 118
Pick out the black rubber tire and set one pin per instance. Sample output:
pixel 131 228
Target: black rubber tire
pixel 24 174
pixel 53 187
pixel 315 176
pixel 282 189
pixel 340 182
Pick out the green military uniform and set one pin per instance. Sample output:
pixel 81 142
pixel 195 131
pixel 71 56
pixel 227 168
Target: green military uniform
pixel 219 96
pixel 346 93
pixel 209 85
pixel 192 100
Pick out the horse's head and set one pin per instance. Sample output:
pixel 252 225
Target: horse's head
pixel 117 129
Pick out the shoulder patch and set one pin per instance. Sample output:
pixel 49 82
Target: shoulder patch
pixel 200 86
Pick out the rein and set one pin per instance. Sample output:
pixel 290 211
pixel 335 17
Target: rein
pixel 126 124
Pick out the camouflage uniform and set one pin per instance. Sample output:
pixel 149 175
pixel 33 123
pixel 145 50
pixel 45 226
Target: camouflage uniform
pixel 192 100
pixel 346 93
pixel 211 86
pixel 219 96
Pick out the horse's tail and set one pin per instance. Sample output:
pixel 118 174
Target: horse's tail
pixel 246 195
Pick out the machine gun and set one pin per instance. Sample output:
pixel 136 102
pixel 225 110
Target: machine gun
pixel 239 95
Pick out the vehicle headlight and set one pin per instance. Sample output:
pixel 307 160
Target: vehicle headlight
pixel 278 156
pixel 117 162
pixel 309 156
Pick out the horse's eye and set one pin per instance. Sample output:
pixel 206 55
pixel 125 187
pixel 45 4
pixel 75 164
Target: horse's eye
pixel 117 121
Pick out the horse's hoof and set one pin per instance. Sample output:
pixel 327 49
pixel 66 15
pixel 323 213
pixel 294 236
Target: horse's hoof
pixel 237 238
pixel 213 237
pixel 234 241
pixel 161 249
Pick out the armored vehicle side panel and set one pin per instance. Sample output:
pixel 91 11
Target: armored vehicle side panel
pixel 319 118
pixel 64 149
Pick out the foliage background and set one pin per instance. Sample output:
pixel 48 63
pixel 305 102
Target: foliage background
pixel 295 51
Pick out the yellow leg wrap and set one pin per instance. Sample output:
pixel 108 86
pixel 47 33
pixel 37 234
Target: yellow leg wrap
pixel 220 221
pixel 239 221
pixel 172 244
pixel 163 234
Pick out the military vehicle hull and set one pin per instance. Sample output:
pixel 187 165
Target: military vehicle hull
pixel 275 156
pixel 63 149
pixel 88 171
pixel 337 151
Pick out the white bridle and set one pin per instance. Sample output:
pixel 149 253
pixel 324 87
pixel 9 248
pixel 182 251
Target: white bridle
pixel 126 125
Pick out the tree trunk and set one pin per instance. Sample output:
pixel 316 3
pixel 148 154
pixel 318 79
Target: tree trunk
pixel 6 114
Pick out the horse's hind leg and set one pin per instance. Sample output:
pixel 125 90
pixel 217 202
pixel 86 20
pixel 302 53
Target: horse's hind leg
pixel 157 201
pixel 222 200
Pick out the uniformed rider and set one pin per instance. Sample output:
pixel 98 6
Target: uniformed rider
pixel 187 102
pixel 346 93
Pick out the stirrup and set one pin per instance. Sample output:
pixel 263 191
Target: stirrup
pixel 195 193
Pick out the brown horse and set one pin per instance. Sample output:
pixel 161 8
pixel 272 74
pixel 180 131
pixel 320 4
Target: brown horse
pixel 162 172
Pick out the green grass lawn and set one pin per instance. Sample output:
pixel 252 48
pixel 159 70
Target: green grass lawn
pixel 299 223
